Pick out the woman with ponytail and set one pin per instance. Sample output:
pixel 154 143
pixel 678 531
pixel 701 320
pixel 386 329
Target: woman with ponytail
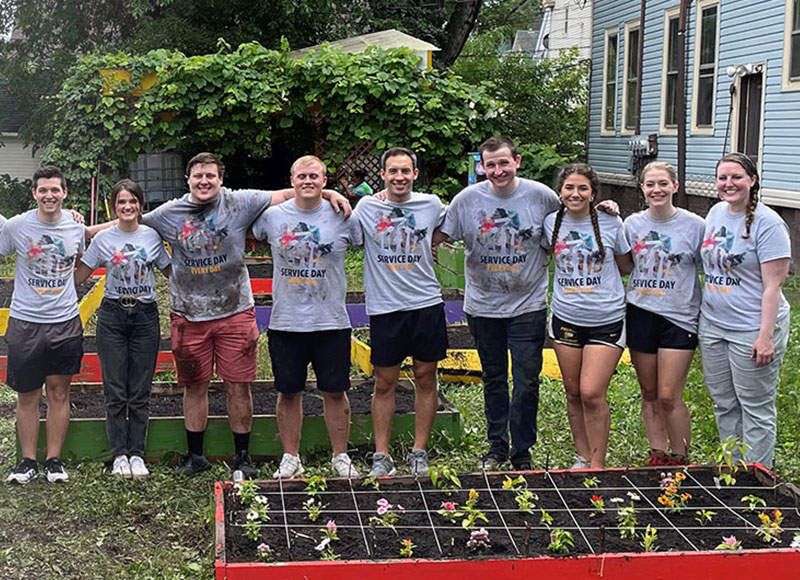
pixel 744 317
pixel 587 323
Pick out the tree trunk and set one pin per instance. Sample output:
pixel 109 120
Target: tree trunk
pixel 460 24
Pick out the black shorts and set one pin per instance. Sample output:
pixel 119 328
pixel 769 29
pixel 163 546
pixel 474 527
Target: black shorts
pixel 38 350
pixel 328 351
pixel 421 334
pixel 648 331
pixel 566 333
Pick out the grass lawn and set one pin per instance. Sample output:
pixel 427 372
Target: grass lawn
pixel 99 527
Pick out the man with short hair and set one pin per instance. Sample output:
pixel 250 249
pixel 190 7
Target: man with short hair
pixel 45 333
pixel 505 299
pixel 309 321
pixel 211 303
pixel 404 302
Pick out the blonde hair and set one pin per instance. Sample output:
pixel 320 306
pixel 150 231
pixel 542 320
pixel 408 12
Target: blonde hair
pixel 308 160
pixel 660 166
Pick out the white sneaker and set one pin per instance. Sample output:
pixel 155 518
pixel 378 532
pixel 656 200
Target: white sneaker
pixel 343 466
pixel 581 463
pixel 122 467
pixel 138 468
pixel 290 467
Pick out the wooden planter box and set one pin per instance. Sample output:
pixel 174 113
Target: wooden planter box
pixel 292 536
pixel 86 437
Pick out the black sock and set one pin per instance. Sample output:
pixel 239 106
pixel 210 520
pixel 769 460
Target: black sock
pixel 194 441
pixel 241 441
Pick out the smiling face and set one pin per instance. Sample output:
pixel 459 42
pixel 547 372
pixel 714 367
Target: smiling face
pixel 204 182
pixel 658 188
pixel 734 184
pixel 577 195
pixel 49 194
pixel 127 207
pixel 399 175
pixel 501 169
pixel 308 179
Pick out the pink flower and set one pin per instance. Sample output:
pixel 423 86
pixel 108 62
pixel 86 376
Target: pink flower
pixel 331 526
pixel 730 540
pixel 263 548
pixel 382 510
pixel 383 502
pixel 448 505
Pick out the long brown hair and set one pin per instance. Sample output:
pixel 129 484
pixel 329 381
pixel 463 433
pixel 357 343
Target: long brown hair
pixel 590 174
pixel 131 187
pixel 750 168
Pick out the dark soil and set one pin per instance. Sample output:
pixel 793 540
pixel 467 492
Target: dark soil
pixel 260 270
pixel 449 295
pixel 7 290
pixel 513 533
pixel 88 403
pixel 458 336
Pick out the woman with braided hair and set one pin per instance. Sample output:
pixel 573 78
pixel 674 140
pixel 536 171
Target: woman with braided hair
pixel 587 322
pixel 744 317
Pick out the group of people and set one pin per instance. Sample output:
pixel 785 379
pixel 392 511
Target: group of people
pixel 508 225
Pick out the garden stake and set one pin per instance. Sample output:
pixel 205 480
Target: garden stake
pixel 285 519
pixel 569 511
pixel 660 513
pixel 428 513
pixel 720 502
pixel 527 538
pixel 499 512
pixel 358 513
pixel 602 538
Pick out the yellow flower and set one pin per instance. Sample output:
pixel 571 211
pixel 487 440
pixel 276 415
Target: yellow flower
pixel 662 499
pixel 777 514
pixel 680 476
pixel 473 495
pixel 764 518
pixel 671 489
pixel 508 483
pixel 686 496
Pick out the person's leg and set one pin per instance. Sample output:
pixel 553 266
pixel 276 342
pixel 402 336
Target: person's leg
pixel 28 422
pixel 570 360
pixel 647 367
pixel 330 359
pixel 289 410
pixel 599 362
pixel 719 379
pixel 525 340
pixel 336 408
pixel 490 338
pixel 57 390
pixel 426 401
pixel 112 349
pixel 383 405
pixel 673 368
pixel 143 352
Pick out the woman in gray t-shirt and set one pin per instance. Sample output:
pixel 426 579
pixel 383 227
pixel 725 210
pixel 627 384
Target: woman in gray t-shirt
pixel 663 298
pixel 588 306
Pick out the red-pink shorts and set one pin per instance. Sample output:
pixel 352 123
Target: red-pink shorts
pixel 230 343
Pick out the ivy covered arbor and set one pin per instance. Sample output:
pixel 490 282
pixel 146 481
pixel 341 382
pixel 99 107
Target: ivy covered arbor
pixel 241 102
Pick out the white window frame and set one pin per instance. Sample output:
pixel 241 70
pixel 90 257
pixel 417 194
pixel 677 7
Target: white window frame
pixel 787 83
pixel 634 25
pixel 705 129
pixel 613 31
pixel 669 14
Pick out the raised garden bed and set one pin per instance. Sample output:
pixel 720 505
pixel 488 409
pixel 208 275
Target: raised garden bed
pixel 86 437
pixel 356 308
pixel 520 542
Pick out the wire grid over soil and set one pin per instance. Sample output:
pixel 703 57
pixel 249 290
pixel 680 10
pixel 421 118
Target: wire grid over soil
pixel 566 497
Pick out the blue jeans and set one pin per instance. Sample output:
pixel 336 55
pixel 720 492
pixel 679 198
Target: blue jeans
pixel 524 336
pixel 127 344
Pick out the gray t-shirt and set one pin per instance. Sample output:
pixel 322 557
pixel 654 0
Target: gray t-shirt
pixel 506 267
pixel 3 220
pixel 666 255
pixel 44 286
pixel 129 258
pixel 209 278
pixel 732 265
pixel 587 292
pixel 308 250
pixel 398 264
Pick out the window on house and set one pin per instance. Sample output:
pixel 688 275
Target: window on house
pixel 671 110
pixel 706 66
pixel 794 71
pixel 632 79
pixel 610 82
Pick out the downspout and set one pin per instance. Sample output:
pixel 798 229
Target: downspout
pixel 680 103
pixel 640 67
pixel 589 92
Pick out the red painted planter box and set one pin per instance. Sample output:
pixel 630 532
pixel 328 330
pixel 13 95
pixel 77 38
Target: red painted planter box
pixel 90 367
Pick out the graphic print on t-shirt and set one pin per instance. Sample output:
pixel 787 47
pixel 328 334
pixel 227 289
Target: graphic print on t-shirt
pixel 656 262
pixel 720 262
pixel 577 259
pixel 502 239
pixel 130 270
pixel 302 249
pixel 397 231
pixel 200 237
pixel 48 259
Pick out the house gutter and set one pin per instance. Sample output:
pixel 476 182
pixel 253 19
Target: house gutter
pixel 680 104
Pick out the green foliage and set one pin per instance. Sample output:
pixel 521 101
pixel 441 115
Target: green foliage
pixel 15 196
pixel 236 102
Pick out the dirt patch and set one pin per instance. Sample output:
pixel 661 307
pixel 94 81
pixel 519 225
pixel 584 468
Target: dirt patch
pixel 260 270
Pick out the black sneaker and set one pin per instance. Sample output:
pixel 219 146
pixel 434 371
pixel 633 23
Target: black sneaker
pixel 192 465
pixel 55 472
pixel 490 462
pixel 243 463
pixel 521 466
pixel 27 470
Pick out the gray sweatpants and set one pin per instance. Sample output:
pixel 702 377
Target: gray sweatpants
pixel 743 394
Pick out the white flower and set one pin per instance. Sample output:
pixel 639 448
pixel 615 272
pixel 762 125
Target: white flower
pixel 252 515
pixel 262 499
pixel 795 542
pixel 634 496
pixel 322 545
pixel 616 500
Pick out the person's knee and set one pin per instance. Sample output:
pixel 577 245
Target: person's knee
pixel 29 400
pixel 593 399
pixel 238 391
pixel 334 397
pixel 57 395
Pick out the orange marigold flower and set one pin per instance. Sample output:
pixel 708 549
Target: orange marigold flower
pixel 680 476
pixel 764 518
pixel 777 514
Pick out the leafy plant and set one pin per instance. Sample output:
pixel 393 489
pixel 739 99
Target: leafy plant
pixel 444 477
pixel 449 511
pixel 471 513
pixel 626 521
pixel 479 540
pixel 388 514
pixel 546 519
pixel 325 547
pixel 315 484
pixel 256 515
pixel 407 548
pixel 526 500
pixel 590 482
pixel 598 503
pixel 265 553
pixel 705 516
pixel 372 482
pixel 770 530
pixel 560 541
pixel 729 543
pixel 725 454
pixel 649 539
pixel 753 502
pixel 313 508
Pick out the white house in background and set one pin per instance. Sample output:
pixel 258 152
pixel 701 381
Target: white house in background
pixel 16 160
pixel 570 25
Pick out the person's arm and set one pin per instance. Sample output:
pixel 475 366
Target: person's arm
pixel 773 275
pixel 624 263
pixel 439 237
pixel 92 231
pixel 82 273
pixel 608 206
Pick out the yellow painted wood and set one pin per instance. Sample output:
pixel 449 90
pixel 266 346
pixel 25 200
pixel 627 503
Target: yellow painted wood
pixel 4 312
pixel 91 302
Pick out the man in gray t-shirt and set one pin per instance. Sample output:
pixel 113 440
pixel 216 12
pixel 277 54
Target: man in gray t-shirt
pixel 500 221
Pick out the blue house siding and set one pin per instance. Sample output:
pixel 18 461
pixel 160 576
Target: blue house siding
pixel 748 33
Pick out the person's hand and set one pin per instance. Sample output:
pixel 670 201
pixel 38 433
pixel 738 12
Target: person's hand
pixel 77 216
pixel 340 203
pixel 608 206
pixel 343 181
pixel 763 351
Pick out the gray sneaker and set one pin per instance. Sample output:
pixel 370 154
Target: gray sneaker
pixel 418 462
pixel 490 462
pixel 581 463
pixel 290 467
pixel 382 465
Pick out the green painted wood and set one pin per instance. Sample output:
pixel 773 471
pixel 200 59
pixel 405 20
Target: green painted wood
pixel 451 258
pixel 448 279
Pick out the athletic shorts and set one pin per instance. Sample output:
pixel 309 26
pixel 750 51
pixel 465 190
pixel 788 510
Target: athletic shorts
pixel 38 350
pixel 648 331
pixel 421 334
pixel 230 344
pixel 566 333
pixel 328 351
